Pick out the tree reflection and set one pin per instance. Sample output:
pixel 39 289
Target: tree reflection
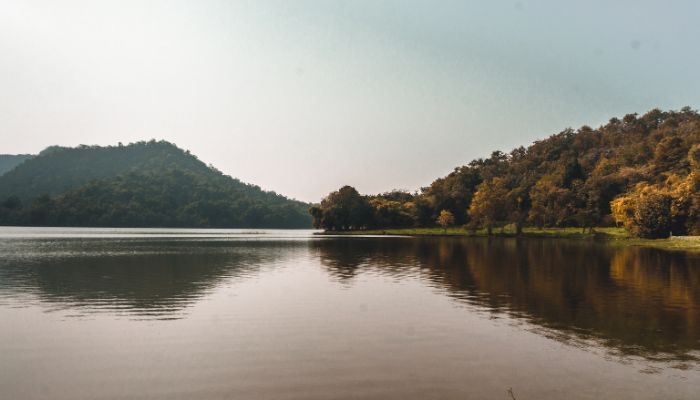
pixel 637 301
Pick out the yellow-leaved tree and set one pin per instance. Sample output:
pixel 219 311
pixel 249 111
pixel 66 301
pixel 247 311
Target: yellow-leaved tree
pixel 445 219
pixel 489 204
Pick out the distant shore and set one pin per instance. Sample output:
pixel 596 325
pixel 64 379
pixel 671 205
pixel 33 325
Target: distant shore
pixel 615 236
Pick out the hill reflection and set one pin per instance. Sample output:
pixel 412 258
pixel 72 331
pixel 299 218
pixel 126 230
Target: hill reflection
pixel 637 301
pixel 151 279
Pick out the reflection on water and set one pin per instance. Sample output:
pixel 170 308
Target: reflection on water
pixel 147 278
pixel 638 300
pixel 289 315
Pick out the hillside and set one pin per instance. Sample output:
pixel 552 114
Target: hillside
pixel 59 169
pixel 9 161
pixel 139 185
pixel 642 172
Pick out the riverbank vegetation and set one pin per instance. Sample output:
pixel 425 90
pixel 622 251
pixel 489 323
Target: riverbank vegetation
pixel 639 172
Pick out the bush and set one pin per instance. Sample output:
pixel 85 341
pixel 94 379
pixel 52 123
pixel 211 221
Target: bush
pixel 652 216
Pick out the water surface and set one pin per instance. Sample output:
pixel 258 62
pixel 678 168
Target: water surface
pixel 183 314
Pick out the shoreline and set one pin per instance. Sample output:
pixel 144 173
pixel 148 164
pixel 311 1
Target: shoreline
pixel 613 236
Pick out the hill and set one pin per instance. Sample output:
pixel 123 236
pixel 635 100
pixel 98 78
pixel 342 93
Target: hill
pixel 145 184
pixel 59 169
pixel 9 161
pixel 642 172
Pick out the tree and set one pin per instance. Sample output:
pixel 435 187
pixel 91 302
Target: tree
pixel 453 193
pixel 623 211
pixel 317 217
pixel 694 158
pixel 488 207
pixel 550 204
pixel 693 220
pixel 518 211
pixel 645 212
pixel 445 219
pixel 652 216
pixel 585 206
pixel 421 211
pixel 669 154
pixel 690 192
pixel 390 213
pixel 344 209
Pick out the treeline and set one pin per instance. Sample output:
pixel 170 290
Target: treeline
pixel 146 184
pixel 640 172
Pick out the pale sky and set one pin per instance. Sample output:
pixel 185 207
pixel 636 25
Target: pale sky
pixel 302 97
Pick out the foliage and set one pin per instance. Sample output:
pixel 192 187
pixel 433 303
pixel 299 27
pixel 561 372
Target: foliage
pixel 390 213
pixel 652 216
pixel 576 178
pixel 445 219
pixel 10 161
pixel 344 209
pixel 140 185
pixel 452 193
pixel 59 169
pixel 645 211
pixel 550 204
pixel 489 207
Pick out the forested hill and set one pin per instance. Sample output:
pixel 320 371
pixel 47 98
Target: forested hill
pixel 642 172
pixel 9 161
pixel 58 169
pixel 144 184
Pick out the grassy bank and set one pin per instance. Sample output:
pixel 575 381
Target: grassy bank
pixel 614 236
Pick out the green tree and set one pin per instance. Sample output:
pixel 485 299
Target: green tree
pixel 550 204
pixel 344 209
pixel 388 213
pixel 453 193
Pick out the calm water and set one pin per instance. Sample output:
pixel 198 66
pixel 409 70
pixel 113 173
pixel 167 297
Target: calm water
pixel 211 314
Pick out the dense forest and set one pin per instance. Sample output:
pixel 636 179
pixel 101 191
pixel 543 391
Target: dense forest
pixel 640 172
pixel 144 184
pixel 9 161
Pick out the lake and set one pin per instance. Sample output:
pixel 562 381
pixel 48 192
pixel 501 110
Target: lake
pixel 274 314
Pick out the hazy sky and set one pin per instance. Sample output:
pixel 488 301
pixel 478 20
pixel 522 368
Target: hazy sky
pixel 302 97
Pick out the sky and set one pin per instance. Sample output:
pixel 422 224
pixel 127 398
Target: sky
pixel 302 97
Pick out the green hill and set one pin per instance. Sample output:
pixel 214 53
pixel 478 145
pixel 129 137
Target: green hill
pixel 9 161
pixel 145 184
pixel 59 169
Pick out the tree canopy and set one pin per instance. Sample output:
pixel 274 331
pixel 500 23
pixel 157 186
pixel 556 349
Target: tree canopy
pixel 639 171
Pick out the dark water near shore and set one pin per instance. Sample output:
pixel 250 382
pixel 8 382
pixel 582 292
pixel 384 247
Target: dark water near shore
pixel 210 314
